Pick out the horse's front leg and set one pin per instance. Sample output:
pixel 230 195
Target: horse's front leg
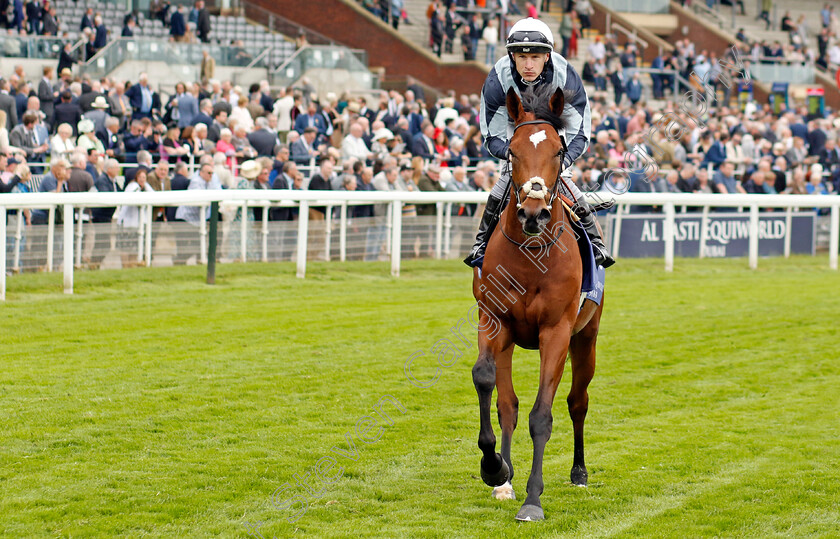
pixel 554 344
pixel 507 405
pixel 494 470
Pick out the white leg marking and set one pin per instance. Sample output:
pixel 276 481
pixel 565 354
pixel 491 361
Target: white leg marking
pixel 504 492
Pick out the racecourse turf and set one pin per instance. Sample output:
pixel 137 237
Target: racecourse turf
pixel 152 404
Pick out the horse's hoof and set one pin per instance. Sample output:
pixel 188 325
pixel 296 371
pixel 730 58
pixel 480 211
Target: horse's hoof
pixel 530 513
pixel 497 478
pixel 504 492
pixel 580 476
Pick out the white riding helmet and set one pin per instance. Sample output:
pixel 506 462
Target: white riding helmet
pixel 530 35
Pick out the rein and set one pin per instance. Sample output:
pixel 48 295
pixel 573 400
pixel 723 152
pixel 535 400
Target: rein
pixel 553 194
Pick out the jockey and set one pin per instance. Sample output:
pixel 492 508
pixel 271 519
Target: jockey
pixel 530 47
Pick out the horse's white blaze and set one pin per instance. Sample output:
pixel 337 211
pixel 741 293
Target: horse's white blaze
pixel 504 492
pixel 527 188
pixel 538 137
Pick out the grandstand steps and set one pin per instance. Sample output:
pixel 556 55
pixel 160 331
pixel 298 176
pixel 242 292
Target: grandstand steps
pixel 418 32
pixel 661 24
pixel 583 55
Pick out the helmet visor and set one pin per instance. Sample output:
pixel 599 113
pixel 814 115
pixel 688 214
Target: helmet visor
pixel 530 39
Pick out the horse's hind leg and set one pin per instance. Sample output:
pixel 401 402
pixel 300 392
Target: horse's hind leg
pixel 582 348
pixel 508 408
pixel 494 470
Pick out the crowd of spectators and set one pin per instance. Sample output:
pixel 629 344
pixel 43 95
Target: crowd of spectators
pixel 737 146
pixel 78 133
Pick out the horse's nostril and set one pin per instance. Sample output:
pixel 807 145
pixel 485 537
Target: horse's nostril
pixel 545 215
pixel 521 214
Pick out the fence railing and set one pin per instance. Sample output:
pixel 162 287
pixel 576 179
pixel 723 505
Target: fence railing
pixel 74 227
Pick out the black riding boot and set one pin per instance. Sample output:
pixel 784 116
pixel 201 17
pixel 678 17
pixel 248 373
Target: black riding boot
pixel 589 224
pixel 485 229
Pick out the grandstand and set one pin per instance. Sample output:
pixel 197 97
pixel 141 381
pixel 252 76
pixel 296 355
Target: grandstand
pixel 452 86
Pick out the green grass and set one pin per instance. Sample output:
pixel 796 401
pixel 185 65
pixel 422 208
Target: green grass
pixel 151 404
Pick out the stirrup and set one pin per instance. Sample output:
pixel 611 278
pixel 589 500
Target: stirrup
pixel 605 205
pixel 476 257
pixel 602 256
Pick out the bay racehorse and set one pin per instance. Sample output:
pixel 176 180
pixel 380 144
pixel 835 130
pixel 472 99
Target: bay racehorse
pixel 528 292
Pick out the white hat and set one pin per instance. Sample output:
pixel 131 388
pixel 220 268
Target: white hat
pixel 383 132
pixel 86 126
pixel 250 169
pixel 100 102
pixel 529 34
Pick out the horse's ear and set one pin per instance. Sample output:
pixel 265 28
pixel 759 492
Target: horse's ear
pixel 558 101
pixel 514 106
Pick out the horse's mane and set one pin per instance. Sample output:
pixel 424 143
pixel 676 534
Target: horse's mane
pixel 537 100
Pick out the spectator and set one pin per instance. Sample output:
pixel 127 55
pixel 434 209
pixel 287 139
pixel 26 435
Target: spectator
pixel 158 178
pixel 52 182
pixel 128 28
pixel 321 182
pixel 26 137
pixel 203 179
pixel 145 103
pixel 68 112
pixel 98 114
pixel 814 178
pixel 46 94
pixel 178 25
pixel 437 32
pixel 424 144
pixel 687 182
pixel 241 115
pixel 120 104
pixel 8 104
pixel 353 146
pixel 759 184
pixel 634 89
pixel 66 60
pixel 34 12
pixel 566 28
pixel 80 180
pixel 208 66
pixel 129 216
pixel 311 119
pixel 203 23
pixel 87 138
pixel 262 139
pixel 490 36
pixel 724 180
pixel 101 34
pixel 62 145
pixel 106 183
pixel 172 149
pixel 87 20
pixel 303 150
pixel 467 45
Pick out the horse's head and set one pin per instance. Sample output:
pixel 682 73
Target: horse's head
pixel 536 155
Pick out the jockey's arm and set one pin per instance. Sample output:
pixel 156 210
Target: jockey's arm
pixel 577 115
pixel 493 117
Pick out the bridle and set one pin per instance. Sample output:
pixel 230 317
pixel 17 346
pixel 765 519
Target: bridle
pixel 554 188
pixel 552 195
